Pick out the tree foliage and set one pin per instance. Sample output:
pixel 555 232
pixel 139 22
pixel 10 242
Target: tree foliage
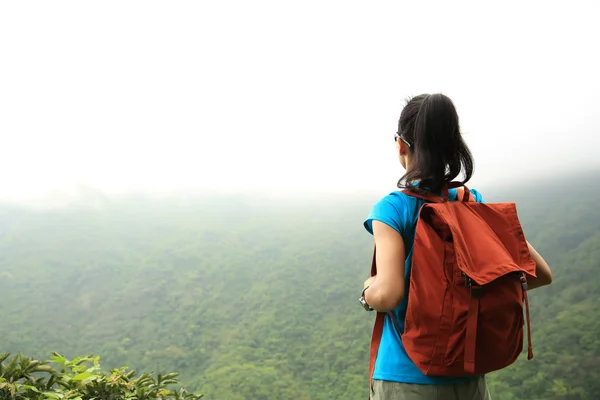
pixel 81 379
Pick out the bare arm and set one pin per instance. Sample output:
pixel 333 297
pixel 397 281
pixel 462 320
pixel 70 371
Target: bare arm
pixel 542 270
pixel 386 290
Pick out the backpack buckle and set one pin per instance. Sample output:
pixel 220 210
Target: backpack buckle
pixel 523 280
pixel 474 289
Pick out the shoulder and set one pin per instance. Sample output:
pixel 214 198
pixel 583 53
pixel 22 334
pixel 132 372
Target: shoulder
pixel 392 210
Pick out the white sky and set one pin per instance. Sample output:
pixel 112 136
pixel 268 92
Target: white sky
pixel 285 95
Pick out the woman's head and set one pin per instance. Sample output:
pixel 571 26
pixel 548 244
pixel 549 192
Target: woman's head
pixel 430 145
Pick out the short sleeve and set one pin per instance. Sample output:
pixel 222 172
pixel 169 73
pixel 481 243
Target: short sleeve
pixel 387 210
pixel 477 196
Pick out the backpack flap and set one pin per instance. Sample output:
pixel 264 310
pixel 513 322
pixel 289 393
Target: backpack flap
pixel 488 239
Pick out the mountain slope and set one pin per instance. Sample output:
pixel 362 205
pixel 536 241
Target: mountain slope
pixel 252 299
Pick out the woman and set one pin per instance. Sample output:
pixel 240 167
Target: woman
pixel 432 151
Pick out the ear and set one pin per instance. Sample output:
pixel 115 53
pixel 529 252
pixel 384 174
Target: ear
pixel 403 148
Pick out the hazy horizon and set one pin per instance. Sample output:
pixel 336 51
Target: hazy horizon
pixel 89 197
pixel 275 98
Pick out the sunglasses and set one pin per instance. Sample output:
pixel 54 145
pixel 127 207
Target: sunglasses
pixel 398 136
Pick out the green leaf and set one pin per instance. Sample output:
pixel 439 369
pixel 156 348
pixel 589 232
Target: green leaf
pixel 82 376
pixel 4 356
pixel 52 395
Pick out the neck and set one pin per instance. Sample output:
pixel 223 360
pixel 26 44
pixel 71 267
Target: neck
pixel 407 163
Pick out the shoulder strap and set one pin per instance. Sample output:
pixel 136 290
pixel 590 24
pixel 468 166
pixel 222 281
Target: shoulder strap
pixel 423 196
pixel 463 194
pixel 378 327
pixel 377 330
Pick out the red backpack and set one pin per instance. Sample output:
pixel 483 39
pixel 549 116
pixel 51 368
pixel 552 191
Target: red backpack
pixel 468 288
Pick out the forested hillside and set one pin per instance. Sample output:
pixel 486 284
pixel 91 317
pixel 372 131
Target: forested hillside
pixel 257 299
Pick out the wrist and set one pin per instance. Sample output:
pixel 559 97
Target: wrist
pixel 363 301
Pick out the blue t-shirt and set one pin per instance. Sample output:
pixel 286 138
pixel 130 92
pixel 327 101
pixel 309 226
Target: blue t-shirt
pixel 400 212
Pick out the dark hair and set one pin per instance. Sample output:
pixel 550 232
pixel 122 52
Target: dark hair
pixel 429 124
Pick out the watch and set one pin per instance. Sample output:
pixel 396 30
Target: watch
pixel 364 303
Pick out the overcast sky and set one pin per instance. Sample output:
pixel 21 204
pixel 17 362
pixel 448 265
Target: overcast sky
pixel 285 96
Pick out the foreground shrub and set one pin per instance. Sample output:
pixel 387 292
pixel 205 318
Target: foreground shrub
pixel 81 379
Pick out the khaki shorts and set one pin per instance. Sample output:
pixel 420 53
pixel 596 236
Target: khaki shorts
pixel 475 389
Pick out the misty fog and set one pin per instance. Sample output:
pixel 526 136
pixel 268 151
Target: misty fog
pixel 283 98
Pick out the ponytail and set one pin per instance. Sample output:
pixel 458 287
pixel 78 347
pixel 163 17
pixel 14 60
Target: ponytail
pixel 439 154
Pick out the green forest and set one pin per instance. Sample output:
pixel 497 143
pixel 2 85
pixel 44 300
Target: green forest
pixel 257 298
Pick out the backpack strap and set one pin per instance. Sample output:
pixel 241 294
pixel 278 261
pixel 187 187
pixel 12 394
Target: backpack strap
pixel 375 342
pixel 529 345
pixel 471 334
pixel 526 301
pixel 463 194
pixel 423 196
pixel 378 328
pixel 377 331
